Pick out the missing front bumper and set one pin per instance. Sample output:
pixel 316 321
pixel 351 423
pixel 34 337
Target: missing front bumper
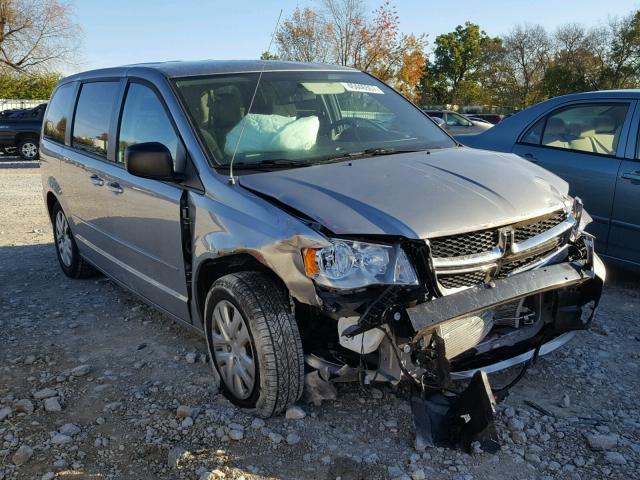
pixel 477 299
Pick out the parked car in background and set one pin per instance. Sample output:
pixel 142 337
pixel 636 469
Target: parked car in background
pixel 492 118
pixel 590 140
pixel 350 226
pixel 20 132
pixel 457 124
pixel 475 118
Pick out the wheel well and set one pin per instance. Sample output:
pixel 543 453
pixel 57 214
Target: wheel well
pixel 51 201
pixel 22 135
pixel 212 270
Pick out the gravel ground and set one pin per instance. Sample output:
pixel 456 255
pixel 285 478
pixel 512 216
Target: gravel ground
pixel 93 384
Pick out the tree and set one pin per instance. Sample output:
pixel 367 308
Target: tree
pixel 269 56
pixel 574 66
pixel 342 33
pixel 27 87
pixel 36 35
pixel 454 76
pixel 304 37
pixel 527 55
pixel 347 22
pixel 622 59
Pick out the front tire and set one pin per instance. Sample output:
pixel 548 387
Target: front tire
pixel 28 149
pixel 254 342
pixel 72 264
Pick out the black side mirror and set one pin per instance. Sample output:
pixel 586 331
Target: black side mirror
pixel 150 160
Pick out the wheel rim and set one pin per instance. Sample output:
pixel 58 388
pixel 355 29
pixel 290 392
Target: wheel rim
pixel 29 150
pixel 63 239
pixel 233 350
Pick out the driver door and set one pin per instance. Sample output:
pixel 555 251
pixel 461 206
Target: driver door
pixel 144 223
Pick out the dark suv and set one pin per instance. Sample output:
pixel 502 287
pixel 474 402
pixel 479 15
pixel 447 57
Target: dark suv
pixel 20 132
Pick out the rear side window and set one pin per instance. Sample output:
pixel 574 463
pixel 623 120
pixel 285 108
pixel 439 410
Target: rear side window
pixel 593 128
pixel 55 125
pixel 93 115
pixel 144 119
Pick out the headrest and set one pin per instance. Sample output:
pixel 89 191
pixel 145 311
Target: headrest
pixel 227 110
pixel 605 124
pixel 555 126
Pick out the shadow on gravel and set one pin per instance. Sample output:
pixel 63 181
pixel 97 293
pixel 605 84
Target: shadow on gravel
pixel 18 261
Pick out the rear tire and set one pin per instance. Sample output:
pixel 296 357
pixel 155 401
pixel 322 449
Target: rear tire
pixel 28 148
pixel 258 355
pixel 72 264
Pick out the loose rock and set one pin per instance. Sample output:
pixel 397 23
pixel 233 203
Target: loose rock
pixel 52 405
pixel 600 441
pixel 45 393
pixel 295 413
pixel 61 439
pixel 70 429
pixel 184 411
pixel 5 413
pixel 24 406
pixel 615 458
pixel 22 455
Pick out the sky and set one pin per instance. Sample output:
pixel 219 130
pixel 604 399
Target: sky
pixel 118 32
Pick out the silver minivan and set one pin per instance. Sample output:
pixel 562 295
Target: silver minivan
pixel 308 218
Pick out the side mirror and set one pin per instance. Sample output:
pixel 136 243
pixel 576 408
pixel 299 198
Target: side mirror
pixel 150 160
pixel 438 120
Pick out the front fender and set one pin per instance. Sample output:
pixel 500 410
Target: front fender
pixel 257 228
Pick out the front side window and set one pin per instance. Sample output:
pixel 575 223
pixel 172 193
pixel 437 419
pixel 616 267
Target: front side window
pixel 593 128
pixel 303 118
pixel 455 120
pixel 144 119
pixel 55 125
pixel 93 116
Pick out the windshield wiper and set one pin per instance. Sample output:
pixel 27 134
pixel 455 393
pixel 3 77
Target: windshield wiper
pixel 372 152
pixel 270 164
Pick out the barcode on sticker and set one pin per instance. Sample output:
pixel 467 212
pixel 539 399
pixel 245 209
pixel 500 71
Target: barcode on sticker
pixel 361 87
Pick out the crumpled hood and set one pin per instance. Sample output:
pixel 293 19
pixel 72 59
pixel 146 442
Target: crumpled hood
pixel 416 195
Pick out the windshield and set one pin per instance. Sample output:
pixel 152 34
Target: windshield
pixel 302 118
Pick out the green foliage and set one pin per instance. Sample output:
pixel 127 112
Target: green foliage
pixel 269 56
pixel 457 72
pixel 28 87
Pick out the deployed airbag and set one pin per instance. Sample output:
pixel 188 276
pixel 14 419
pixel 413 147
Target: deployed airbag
pixel 269 133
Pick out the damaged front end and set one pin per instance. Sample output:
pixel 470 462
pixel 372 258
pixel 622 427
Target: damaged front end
pixel 479 302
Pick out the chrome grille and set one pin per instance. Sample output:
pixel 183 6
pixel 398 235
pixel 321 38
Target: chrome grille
pixel 468 259
pixel 525 231
pixel 522 261
pixel 464 244
pixel 459 280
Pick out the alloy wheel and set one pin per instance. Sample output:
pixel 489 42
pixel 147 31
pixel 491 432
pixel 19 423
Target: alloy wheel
pixel 29 150
pixel 63 239
pixel 233 350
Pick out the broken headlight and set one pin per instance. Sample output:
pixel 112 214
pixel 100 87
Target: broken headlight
pixel 582 218
pixel 353 264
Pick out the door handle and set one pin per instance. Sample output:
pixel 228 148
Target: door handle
pixel 633 176
pixel 114 187
pixel 531 157
pixel 96 180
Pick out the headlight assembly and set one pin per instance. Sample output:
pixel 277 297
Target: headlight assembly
pixel 352 264
pixel 582 218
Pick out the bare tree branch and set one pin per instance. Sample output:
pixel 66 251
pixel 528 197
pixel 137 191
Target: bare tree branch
pixel 37 35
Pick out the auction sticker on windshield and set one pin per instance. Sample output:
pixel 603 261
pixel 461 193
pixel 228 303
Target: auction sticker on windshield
pixel 361 87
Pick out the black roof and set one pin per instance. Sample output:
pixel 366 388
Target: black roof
pixel 205 67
